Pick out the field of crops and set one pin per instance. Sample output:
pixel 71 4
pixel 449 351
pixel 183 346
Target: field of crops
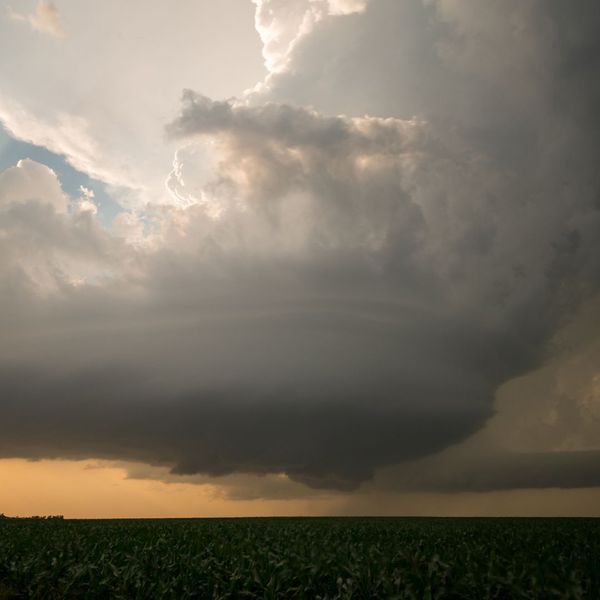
pixel 301 558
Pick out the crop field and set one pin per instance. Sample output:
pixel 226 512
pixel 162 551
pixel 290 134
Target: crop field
pixel 423 558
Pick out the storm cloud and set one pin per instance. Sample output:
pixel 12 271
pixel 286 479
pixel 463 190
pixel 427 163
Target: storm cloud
pixel 334 292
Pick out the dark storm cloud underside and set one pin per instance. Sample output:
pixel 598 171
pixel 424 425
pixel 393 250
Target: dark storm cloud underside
pixel 323 442
pixel 336 445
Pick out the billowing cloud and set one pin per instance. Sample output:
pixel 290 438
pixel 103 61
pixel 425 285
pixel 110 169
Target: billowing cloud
pixel 30 181
pixel 47 241
pixel 338 297
pixel 282 24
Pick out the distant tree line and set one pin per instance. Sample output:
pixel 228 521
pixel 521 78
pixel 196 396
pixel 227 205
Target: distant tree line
pixel 40 518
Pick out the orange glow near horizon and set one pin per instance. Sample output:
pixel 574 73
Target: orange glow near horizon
pixel 83 489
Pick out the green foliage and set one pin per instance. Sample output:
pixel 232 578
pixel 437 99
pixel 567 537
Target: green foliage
pixel 301 558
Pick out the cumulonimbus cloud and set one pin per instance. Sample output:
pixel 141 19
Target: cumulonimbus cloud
pixel 341 293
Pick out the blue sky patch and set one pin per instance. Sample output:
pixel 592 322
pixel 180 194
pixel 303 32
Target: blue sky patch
pixel 13 150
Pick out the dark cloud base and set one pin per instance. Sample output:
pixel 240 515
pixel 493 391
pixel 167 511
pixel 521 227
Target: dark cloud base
pixel 332 443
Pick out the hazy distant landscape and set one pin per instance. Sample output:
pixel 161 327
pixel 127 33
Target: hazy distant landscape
pixel 423 558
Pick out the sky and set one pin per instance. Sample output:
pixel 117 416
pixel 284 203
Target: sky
pixel 281 257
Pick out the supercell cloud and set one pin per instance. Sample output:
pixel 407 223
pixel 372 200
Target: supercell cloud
pixel 363 248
